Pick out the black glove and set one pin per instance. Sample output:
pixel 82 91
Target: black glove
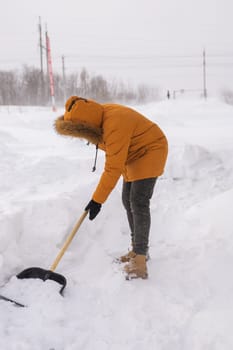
pixel 93 208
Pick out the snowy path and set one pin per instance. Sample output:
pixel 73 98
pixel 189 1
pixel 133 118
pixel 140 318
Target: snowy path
pixel 46 181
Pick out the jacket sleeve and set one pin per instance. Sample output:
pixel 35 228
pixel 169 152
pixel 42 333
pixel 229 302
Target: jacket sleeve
pixel 117 143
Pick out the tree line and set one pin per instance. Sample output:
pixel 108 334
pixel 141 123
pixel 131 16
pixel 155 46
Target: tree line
pixel 30 87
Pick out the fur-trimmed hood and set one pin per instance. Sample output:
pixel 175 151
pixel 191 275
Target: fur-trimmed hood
pixel 82 118
pixel 92 134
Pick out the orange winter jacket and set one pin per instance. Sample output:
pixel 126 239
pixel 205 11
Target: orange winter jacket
pixel 135 147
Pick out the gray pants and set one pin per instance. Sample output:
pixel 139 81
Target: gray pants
pixel 136 197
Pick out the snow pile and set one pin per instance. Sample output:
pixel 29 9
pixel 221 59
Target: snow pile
pixel 45 183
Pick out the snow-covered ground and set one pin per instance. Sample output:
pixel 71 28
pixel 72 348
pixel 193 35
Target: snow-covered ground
pixel 45 183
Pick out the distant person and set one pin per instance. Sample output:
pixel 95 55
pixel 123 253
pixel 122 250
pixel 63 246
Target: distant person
pixel 168 95
pixel 135 148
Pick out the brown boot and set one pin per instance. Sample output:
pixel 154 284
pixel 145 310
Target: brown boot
pixel 126 258
pixel 136 268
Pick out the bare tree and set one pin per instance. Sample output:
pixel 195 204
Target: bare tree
pixel 9 93
pixel 228 96
pixel 99 88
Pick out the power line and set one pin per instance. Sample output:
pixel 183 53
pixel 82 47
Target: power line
pixel 125 57
pixel 148 56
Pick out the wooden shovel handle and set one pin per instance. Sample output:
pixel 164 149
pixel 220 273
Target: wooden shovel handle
pixel 68 241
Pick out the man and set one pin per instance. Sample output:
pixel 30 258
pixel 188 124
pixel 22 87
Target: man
pixel 135 148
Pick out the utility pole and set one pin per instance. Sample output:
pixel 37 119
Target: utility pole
pixel 204 75
pixel 42 85
pixel 64 77
pixel 47 63
pixel 41 47
pixel 46 50
pixel 50 71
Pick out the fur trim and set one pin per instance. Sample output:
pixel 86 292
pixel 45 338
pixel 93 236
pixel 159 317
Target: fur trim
pixel 92 134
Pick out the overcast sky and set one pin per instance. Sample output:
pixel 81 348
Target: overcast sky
pixel 159 42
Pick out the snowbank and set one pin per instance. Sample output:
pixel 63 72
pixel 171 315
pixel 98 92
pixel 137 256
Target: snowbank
pixel 46 181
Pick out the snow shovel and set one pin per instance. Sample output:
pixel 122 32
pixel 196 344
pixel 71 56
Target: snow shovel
pixel 37 272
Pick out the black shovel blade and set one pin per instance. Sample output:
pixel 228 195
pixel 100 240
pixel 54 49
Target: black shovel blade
pixel 44 275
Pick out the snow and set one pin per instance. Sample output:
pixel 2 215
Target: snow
pixel 45 183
